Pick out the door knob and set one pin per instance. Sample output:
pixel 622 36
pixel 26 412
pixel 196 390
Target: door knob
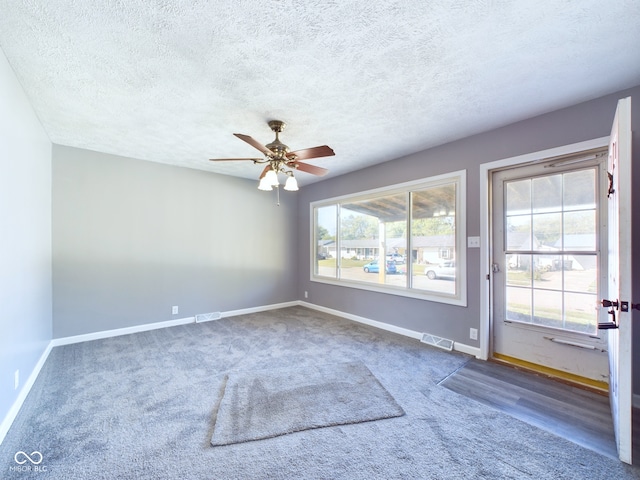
pixel 609 303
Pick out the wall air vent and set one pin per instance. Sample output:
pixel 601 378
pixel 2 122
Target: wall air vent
pixel 443 343
pixel 207 317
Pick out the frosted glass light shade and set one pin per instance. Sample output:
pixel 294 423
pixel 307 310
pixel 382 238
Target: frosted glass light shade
pixel 272 178
pixel 264 184
pixel 291 184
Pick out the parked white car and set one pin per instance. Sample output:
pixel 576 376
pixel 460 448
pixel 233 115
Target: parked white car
pixel 395 257
pixel 444 270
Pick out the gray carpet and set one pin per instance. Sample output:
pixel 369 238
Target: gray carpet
pixel 140 407
pixel 268 403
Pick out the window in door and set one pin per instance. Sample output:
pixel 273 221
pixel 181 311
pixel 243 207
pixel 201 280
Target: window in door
pixel 550 237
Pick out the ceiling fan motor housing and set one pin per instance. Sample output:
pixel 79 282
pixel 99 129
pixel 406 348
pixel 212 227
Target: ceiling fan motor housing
pixel 277 147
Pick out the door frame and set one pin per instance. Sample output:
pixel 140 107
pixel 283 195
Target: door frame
pixel 486 243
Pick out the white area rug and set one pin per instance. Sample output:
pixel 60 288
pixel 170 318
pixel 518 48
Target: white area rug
pixel 269 403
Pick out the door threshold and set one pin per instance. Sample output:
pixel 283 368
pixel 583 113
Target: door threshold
pixel 571 379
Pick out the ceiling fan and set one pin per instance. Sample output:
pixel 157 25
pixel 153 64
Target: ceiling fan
pixel 280 159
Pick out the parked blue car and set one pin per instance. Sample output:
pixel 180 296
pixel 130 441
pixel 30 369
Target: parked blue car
pixel 373 267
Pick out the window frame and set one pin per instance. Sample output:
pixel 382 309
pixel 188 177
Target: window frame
pixel 457 178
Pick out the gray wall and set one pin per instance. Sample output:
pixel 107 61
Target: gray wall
pixel 582 122
pixel 25 239
pixel 132 238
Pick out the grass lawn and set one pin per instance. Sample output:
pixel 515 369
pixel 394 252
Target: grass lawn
pixel 418 269
pixel 579 321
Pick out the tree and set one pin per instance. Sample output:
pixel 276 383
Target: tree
pixel 396 229
pixel 426 227
pixel 356 227
pixel 323 233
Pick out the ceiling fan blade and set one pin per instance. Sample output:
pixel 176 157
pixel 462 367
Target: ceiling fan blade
pixel 254 143
pixel 305 167
pixel 234 159
pixel 315 152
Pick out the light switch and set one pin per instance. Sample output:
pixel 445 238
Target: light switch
pixel 473 242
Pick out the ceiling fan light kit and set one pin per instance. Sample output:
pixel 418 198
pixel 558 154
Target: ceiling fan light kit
pixel 271 178
pixel 264 185
pixel 280 159
pixel 291 184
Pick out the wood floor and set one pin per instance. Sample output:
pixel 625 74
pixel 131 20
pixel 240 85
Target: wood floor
pixel 579 415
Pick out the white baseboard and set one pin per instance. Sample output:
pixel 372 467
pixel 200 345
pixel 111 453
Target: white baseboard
pixel 367 321
pixel 56 342
pixel 26 388
pixel 458 347
pixel 263 308
pixel 468 349
pixel 154 326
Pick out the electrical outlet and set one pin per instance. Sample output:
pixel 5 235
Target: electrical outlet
pixel 16 379
pixel 174 310
pixel 306 294
pixel 473 333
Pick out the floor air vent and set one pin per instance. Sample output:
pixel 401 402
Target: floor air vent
pixel 436 341
pixel 207 317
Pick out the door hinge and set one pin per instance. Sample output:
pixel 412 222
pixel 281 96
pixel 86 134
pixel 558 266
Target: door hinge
pixel 611 190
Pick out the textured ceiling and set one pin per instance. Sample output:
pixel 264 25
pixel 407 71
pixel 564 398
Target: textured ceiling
pixel 170 81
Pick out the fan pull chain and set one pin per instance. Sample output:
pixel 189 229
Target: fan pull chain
pixel 278 195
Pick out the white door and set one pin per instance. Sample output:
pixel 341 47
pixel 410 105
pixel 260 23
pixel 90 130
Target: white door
pixel 549 239
pixel 619 278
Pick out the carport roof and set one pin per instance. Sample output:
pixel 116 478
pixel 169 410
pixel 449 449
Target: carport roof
pixel 392 208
